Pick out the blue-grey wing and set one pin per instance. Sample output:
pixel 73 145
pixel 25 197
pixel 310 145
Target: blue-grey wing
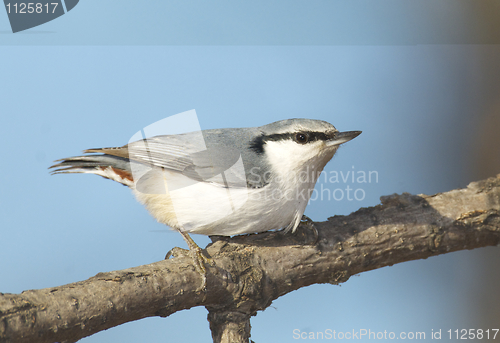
pixel 192 156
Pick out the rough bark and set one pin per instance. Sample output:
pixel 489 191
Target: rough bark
pixel 253 270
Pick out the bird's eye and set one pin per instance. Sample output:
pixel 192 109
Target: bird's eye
pixel 301 138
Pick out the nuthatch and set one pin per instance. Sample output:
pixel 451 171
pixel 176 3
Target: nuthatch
pixel 222 181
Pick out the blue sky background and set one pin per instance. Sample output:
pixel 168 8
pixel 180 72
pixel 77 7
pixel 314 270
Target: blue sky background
pixel 421 81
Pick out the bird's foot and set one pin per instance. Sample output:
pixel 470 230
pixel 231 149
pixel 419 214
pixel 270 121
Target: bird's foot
pixel 308 223
pixel 199 259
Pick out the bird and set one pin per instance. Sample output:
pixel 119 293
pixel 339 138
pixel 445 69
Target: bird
pixel 221 182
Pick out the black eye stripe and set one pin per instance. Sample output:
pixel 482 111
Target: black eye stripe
pixel 257 144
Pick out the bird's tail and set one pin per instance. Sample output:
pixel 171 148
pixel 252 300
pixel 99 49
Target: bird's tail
pixel 116 168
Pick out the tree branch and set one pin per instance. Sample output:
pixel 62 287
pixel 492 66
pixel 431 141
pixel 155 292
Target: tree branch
pixel 253 270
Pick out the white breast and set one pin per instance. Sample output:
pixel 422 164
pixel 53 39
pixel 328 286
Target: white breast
pixel 211 209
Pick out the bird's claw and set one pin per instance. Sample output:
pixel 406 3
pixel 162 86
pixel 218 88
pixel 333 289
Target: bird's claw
pixel 307 222
pixel 177 252
pixel 199 259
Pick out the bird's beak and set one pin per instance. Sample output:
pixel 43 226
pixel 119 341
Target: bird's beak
pixel 342 137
